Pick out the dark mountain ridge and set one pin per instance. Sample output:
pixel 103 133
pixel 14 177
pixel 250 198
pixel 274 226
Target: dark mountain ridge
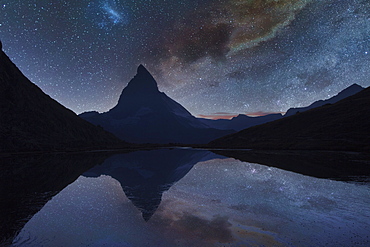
pixel 243 121
pixel 340 126
pixel 349 91
pixel 30 120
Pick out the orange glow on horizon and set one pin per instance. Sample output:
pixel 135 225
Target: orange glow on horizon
pixel 218 116
pixel 225 115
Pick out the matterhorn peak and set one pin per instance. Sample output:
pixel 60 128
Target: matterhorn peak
pixel 143 82
pixel 142 70
pixel 140 89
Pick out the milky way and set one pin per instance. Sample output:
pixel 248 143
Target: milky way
pixel 230 56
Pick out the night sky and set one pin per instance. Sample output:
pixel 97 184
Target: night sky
pixel 215 57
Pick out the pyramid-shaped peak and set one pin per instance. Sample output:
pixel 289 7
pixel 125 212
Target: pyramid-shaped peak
pixel 142 82
pixel 142 70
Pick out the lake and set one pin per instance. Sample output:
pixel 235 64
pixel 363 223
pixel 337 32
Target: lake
pixel 176 197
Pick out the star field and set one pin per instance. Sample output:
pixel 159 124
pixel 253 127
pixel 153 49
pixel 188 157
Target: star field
pixel 231 56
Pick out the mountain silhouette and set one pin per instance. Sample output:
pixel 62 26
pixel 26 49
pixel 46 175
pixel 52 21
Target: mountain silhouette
pixel 145 175
pixel 240 122
pixel 349 91
pixel 340 126
pixel 32 121
pixel 146 115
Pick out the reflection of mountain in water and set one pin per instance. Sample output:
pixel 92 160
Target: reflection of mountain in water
pixel 145 175
pixel 27 183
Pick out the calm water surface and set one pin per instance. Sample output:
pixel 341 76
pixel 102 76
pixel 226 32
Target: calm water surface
pixel 196 198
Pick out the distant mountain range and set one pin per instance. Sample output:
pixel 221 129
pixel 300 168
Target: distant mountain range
pixel 146 115
pixel 32 121
pixel 240 122
pixel 343 125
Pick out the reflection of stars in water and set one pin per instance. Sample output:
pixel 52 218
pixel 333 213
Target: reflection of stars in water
pixel 107 14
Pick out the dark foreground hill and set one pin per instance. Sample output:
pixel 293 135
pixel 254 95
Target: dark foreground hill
pixel 243 121
pixel 32 121
pixel 340 126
